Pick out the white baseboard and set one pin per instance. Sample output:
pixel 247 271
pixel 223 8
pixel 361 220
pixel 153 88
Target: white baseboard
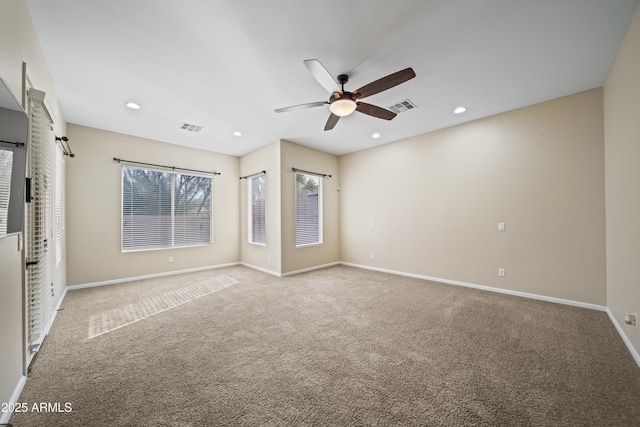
pixel 290 273
pixel 264 270
pixel 484 288
pixel 304 270
pixel 625 339
pixel 4 416
pixel 149 276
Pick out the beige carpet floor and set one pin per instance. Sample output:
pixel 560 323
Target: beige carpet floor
pixel 334 347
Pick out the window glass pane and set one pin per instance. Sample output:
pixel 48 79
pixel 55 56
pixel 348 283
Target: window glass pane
pixel 192 222
pixel 308 209
pixel 257 209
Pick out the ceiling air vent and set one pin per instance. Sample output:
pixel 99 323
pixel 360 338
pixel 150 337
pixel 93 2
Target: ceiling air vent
pixel 403 106
pixel 189 127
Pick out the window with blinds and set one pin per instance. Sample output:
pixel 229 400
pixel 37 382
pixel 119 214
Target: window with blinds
pixel 38 231
pixel 308 209
pixel 59 205
pixel 6 167
pixel 163 209
pixel 257 209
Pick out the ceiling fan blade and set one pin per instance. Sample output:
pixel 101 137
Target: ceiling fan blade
pixel 302 106
pixel 333 119
pixel 375 111
pixel 385 83
pixel 322 75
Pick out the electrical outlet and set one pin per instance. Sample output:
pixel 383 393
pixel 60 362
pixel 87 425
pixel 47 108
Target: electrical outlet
pixel 170 259
pixel 501 226
pixel 371 255
pixel 631 319
pixel 501 272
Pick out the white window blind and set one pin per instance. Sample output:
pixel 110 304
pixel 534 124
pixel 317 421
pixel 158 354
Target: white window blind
pixel 163 209
pixel 308 209
pixel 59 205
pixel 6 167
pixel 38 230
pixel 257 209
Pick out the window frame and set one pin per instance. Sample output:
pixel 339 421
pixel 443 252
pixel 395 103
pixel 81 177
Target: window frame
pixel 320 220
pixel 173 173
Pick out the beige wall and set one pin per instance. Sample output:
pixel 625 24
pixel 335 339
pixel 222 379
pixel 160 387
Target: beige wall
pixel 622 166
pixel 94 207
pixel 435 201
pixel 18 44
pixel 305 158
pixel 280 255
pixel 267 256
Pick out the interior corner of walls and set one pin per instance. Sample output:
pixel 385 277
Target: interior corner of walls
pixel 264 270
pixel 635 352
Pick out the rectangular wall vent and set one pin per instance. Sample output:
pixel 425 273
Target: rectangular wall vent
pixel 403 106
pixel 189 127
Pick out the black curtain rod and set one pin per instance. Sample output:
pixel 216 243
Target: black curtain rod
pixel 257 173
pixel 17 144
pixel 163 166
pixel 324 175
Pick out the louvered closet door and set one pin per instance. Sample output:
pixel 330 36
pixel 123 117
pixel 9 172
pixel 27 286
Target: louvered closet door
pixel 38 230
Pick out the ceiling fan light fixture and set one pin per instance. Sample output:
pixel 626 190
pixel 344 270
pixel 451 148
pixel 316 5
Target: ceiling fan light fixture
pixel 342 107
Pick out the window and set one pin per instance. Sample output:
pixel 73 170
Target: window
pixel 59 205
pixel 308 209
pixel 256 209
pixel 6 167
pixel 164 209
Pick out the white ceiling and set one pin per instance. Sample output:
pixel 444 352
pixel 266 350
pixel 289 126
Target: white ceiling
pixel 227 65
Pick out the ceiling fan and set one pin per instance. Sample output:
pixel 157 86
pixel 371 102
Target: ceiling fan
pixel 342 103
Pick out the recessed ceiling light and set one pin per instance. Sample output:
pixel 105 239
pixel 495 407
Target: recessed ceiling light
pixel 133 105
pixel 375 135
pixel 236 133
pixel 459 110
